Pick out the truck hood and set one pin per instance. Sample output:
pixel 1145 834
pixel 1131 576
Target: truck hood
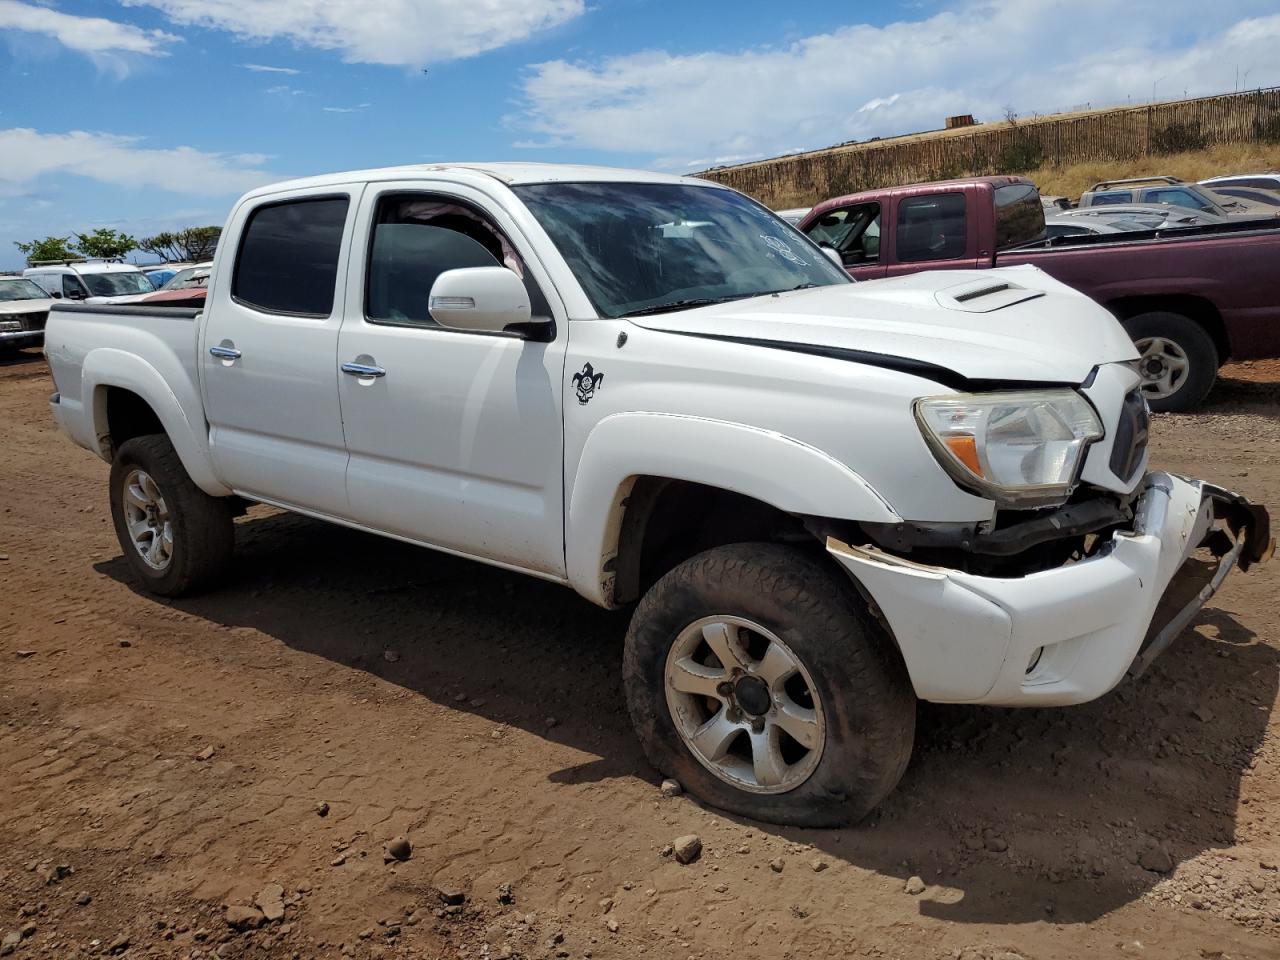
pixel 15 307
pixel 1012 323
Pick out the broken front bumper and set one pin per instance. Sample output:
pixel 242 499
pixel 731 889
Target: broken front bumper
pixel 1066 635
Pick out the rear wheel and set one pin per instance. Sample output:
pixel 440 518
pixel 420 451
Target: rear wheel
pixel 755 677
pixel 176 538
pixel 1178 362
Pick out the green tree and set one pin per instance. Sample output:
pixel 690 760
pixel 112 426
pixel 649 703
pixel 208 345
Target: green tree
pixel 163 245
pixel 193 243
pixel 50 248
pixel 105 242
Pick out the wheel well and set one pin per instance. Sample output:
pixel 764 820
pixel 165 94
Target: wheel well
pixel 128 416
pixel 668 521
pixel 1199 309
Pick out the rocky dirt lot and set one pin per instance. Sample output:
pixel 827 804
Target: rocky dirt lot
pixel 221 777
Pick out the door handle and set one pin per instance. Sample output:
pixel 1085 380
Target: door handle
pixel 224 353
pixel 363 370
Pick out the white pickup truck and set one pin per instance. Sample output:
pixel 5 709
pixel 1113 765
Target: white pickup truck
pixel 829 499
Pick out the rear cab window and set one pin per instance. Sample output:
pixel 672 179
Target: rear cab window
pixel 933 227
pixel 1019 215
pixel 1110 196
pixel 288 257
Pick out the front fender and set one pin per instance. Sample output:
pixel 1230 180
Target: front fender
pixel 183 420
pixel 767 466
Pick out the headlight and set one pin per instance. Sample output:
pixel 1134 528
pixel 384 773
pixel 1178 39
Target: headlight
pixel 1021 448
pixel 9 326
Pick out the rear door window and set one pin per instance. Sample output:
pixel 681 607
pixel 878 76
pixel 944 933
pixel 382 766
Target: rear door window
pixel 1113 196
pixel 932 228
pixel 288 259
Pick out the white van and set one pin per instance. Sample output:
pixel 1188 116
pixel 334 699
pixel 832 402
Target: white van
pixel 91 281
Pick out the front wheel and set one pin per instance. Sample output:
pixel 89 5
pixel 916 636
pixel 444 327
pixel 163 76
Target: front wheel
pixel 756 678
pixel 176 538
pixel 1178 359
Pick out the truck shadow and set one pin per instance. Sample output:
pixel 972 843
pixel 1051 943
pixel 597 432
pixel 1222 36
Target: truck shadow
pixel 1009 816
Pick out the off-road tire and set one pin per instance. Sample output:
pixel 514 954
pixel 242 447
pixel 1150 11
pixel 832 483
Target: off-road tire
pixel 1194 341
pixel 203 529
pixel 866 695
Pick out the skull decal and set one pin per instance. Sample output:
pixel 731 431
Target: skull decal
pixel 586 382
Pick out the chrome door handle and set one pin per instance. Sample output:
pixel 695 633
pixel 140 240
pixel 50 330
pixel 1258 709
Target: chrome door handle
pixel 363 370
pixel 224 353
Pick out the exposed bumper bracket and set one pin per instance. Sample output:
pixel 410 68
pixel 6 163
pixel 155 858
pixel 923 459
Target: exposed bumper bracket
pixel 1195 583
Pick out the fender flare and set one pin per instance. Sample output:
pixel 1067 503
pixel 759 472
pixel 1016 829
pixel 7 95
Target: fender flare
pixel 764 465
pixel 107 367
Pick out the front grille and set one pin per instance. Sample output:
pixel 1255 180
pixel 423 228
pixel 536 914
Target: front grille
pixel 1131 436
pixel 34 321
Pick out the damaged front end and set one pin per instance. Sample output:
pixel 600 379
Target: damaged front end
pixel 1057 607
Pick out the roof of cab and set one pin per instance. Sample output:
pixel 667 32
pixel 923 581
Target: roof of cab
pixel 511 174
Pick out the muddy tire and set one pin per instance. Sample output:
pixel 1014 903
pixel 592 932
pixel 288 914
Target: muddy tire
pixel 1179 360
pixel 176 538
pixel 756 678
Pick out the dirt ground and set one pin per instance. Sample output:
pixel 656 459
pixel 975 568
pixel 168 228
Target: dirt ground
pixel 160 762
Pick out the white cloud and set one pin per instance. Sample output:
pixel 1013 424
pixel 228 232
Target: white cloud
pixel 95 36
pixel 356 109
pixel 27 155
pixel 395 32
pixel 979 57
pixel 265 68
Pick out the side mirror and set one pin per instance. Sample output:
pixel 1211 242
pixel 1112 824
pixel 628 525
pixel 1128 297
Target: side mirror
pixel 833 255
pixel 485 299
pixel 55 295
pixel 77 295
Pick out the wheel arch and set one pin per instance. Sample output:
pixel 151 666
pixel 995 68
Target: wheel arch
pixel 1201 310
pixel 129 398
pixel 650 486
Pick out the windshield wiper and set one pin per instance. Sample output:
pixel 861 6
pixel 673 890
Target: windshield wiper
pixel 682 305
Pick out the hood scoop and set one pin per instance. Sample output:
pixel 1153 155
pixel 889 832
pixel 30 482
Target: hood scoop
pixel 984 296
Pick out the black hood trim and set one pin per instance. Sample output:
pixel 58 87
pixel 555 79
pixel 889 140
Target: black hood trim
pixel 918 368
pixel 887 361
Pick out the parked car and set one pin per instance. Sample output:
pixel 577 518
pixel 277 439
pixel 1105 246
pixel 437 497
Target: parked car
pixel 24 308
pixel 160 275
pixel 195 275
pixel 1153 215
pixel 1265 181
pixel 1173 191
pixel 1268 198
pixel 1191 298
pixel 1080 226
pixel 794 215
pixel 183 297
pixel 94 281
pixel 828 498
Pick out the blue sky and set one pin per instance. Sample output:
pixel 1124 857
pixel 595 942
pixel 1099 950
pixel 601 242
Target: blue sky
pixel 151 114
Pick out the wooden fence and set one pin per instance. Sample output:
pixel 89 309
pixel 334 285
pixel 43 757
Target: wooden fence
pixel 1124 133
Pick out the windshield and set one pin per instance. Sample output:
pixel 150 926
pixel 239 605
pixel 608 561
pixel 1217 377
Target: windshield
pixel 650 247
pixel 187 277
pixel 20 290
pixel 116 284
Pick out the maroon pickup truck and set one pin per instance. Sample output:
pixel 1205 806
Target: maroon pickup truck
pixel 1191 298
